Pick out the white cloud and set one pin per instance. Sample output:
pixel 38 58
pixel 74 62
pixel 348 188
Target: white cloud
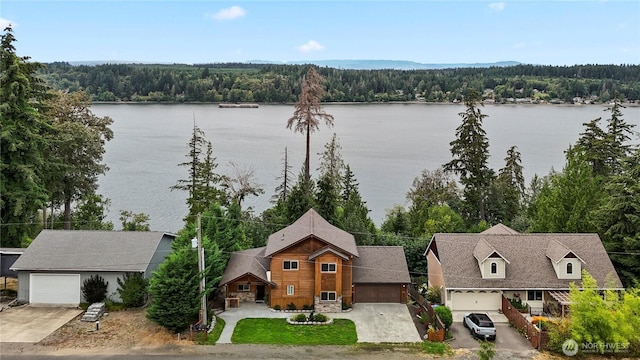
pixel 231 13
pixel 311 45
pixel 6 22
pixel 498 6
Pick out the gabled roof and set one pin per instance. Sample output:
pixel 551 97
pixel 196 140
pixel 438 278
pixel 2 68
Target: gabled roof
pixel 500 229
pixel 247 262
pixel 325 250
pixel 311 224
pixel 556 251
pixel 484 250
pixel 529 267
pixel 87 250
pixel 381 264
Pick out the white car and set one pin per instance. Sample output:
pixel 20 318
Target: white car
pixel 480 326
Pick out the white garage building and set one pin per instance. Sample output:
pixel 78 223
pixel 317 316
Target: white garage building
pixel 53 268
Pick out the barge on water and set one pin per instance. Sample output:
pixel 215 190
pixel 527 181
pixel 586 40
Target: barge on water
pixel 238 106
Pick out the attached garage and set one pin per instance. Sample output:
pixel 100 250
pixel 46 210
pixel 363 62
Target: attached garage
pixel 476 300
pixel 63 289
pixel 378 293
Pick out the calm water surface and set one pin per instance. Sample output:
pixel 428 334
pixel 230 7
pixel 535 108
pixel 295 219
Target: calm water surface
pixel 387 146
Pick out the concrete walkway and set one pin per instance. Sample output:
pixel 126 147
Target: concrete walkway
pixel 374 322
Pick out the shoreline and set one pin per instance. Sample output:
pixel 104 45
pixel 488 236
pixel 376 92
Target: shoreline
pixel 626 104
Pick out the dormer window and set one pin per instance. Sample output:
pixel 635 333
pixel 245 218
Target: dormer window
pixel 569 268
pixel 494 268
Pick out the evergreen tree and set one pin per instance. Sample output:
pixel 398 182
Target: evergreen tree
pixel 619 220
pixel 134 222
pixel 618 133
pixel 397 222
pixel 174 291
pixel 301 198
pixel 597 149
pixel 91 213
pixel 353 216
pixel 22 190
pixel 330 182
pixel 202 181
pixel 308 113
pixel 509 187
pixel 470 153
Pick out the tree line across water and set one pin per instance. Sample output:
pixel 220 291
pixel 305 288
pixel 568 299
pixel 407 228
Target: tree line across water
pixel 269 83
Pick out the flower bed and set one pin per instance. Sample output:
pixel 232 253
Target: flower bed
pixel 317 319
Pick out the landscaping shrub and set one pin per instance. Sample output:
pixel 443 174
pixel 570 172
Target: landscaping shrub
pixel 320 318
pixel 299 318
pixel 433 295
pixel 292 306
pixel 307 307
pixel 277 307
pixel 518 304
pixel 94 289
pixel 444 313
pixel 133 289
pixel 345 306
pixel 558 334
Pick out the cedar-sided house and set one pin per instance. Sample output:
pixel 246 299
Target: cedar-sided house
pixel 57 262
pixel 312 262
pixel 474 271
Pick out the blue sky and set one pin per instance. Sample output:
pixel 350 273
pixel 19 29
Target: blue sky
pixel 537 32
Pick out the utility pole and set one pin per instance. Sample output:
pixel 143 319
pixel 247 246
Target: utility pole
pixel 201 267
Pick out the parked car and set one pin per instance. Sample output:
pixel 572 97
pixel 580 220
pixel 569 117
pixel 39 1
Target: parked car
pixel 480 325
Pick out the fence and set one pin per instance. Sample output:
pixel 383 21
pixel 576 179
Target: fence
pixel 434 319
pixel 538 339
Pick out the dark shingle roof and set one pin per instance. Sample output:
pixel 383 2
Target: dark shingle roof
pixel 381 264
pixel 84 250
pixel 529 265
pixel 311 224
pixel 251 261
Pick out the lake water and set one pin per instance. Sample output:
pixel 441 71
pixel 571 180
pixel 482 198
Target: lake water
pixel 387 146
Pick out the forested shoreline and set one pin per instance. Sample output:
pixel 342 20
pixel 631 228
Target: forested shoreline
pixel 280 84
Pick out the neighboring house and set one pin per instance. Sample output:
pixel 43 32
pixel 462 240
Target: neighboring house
pixel 312 262
pixel 8 256
pixel 55 265
pixel 473 271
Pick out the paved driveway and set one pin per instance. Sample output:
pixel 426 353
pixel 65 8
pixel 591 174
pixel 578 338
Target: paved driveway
pixel 374 322
pixel 507 338
pixel 32 324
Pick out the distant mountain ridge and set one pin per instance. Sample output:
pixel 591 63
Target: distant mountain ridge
pixel 385 64
pixel 337 64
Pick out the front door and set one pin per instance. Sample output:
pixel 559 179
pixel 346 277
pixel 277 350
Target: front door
pixel 259 293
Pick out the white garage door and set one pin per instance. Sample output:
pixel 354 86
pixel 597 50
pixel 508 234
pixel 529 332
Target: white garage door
pixel 476 301
pixel 54 289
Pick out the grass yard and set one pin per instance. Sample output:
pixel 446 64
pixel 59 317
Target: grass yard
pixel 277 331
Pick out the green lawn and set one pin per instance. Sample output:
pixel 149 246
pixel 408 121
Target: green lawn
pixel 277 331
pixel 213 337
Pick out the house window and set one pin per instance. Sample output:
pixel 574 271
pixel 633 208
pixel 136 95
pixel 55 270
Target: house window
pixel 328 267
pixel 533 295
pixel 569 268
pixel 244 287
pixel 494 268
pixel 328 295
pixel 290 290
pixel 290 265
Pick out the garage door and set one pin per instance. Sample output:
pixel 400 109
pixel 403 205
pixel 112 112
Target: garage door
pixel 476 301
pixel 54 289
pixel 378 293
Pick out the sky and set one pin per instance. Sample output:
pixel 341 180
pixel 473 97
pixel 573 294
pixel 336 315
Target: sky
pixel 433 32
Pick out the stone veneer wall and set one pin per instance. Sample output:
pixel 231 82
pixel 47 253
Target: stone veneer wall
pixel 327 306
pixel 244 296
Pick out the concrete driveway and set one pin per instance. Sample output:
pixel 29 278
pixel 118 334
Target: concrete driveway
pixel 507 338
pixel 32 324
pixel 375 323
